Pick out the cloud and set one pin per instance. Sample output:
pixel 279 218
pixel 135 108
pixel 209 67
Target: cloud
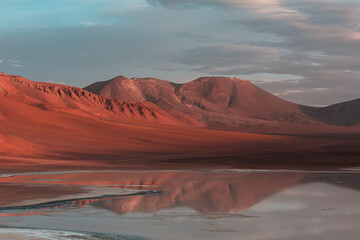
pixel 319 42
pixel 341 13
pixel 216 58
pixel 316 42
pixel 270 8
pixel 11 62
pixel 292 91
pixel 304 36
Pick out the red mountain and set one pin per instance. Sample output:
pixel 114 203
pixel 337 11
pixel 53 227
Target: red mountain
pixel 45 125
pixel 63 98
pixel 220 101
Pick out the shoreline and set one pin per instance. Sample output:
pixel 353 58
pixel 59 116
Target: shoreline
pixel 23 233
pixel 282 164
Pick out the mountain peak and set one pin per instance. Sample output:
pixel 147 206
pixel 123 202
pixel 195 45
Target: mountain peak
pixel 119 78
pixel 224 101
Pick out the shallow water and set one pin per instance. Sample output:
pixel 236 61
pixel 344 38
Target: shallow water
pixel 220 204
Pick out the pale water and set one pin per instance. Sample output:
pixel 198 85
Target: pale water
pixel 222 204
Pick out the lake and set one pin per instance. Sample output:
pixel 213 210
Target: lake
pixel 208 204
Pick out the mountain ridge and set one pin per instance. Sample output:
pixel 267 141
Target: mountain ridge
pixel 224 101
pixel 60 97
pixel 45 125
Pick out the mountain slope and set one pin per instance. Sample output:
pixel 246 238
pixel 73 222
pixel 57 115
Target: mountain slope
pixel 45 120
pixel 68 99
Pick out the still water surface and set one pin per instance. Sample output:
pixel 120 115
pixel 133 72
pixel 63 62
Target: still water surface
pixel 176 205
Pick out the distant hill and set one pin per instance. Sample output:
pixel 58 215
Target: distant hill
pixel 343 114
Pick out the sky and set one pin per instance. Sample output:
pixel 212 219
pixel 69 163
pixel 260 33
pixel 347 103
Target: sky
pixel 305 51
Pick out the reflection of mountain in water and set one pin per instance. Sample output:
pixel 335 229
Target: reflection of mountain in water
pixel 217 192
pixel 204 192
